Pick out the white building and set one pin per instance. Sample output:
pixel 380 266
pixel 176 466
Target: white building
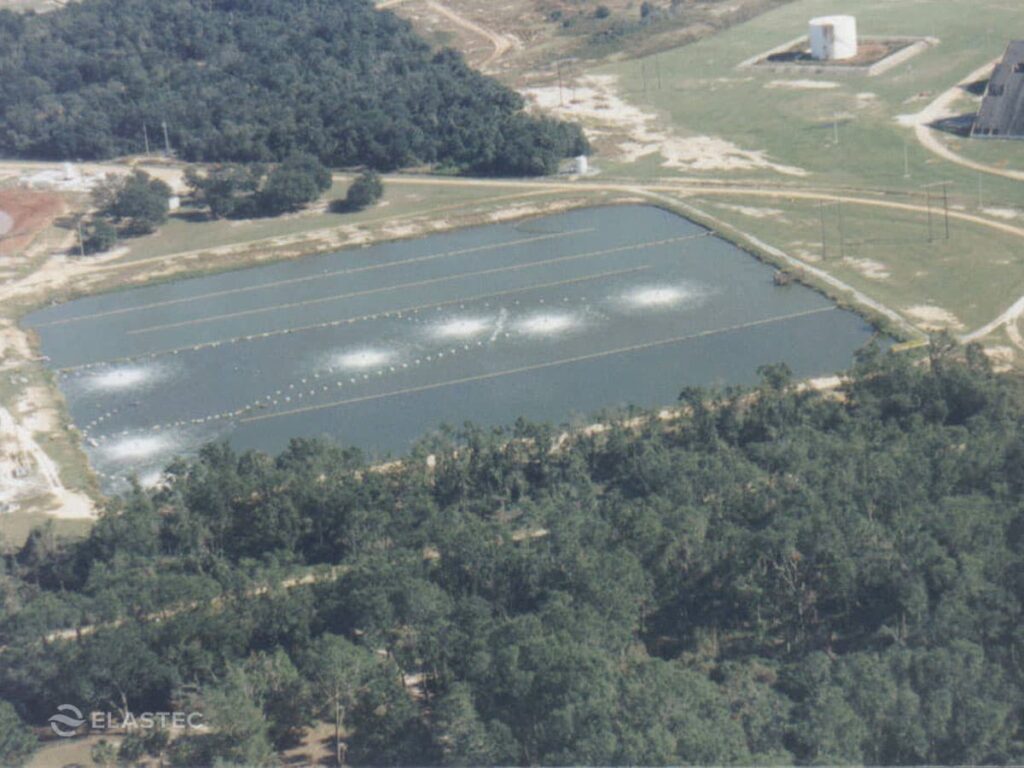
pixel 833 38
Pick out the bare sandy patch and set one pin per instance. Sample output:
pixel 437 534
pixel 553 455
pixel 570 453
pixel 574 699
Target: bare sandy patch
pixel 35 415
pixel 402 230
pixel 1001 213
pixel 26 470
pixel 865 100
pixel 934 318
pixel 1002 357
pixel 803 85
pixel 594 102
pixel 754 212
pixel 871 269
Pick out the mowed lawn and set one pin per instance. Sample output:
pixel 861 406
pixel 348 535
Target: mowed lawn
pixel 190 231
pixel 973 276
pixel 704 93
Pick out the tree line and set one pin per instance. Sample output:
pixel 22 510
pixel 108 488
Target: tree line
pixel 256 81
pixel 780 576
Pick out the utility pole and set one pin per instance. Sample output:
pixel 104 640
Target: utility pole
pixel 906 160
pixel 945 207
pixel 145 137
pixel 167 138
pixel 835 128
pixel 643 72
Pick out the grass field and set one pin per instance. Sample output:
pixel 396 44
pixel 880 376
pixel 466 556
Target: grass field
pixel 795 119
pixel 886 254
pixel 704 93
pixel 184 233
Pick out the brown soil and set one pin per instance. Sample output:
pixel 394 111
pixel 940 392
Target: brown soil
pixel 31 213
pixel 869 52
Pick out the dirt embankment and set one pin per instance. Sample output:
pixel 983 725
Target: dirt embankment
pixel 23 214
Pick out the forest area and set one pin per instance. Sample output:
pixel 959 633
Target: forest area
pixel 259 81
pixel 780 576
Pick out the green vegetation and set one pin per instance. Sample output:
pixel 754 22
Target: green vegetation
pixel 247 191
pixel 136 204
pixel 781 576
pixel 16 740
pixel 257 82
pixel 366 190
pixel 99 236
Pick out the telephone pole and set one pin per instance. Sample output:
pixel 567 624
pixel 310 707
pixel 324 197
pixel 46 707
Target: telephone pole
pixel 145 137
pixel 945 207
pixel 167 138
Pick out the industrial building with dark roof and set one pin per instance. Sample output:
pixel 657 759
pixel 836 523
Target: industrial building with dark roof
pixel 1002 110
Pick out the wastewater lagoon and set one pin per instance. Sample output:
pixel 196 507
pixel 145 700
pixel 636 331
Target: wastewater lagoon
pixel 551 318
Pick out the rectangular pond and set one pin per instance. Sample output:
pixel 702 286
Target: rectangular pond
pixel 549 318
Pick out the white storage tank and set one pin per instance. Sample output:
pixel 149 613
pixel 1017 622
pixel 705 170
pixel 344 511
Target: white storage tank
pixel 580 165
pixel 833 38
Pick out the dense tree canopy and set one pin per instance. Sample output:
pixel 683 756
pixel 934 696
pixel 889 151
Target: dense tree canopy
pixel 781 576
pixel 366 189
pixel 136 203
pixel 256 81
pixel 256 190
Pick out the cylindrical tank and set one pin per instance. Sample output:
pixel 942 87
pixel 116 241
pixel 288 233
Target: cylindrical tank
pixel 833 38
pixel 581 165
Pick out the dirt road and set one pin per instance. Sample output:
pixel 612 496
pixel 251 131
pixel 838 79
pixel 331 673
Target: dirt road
pixel 941 108
pixel 70 505
pixel 500 43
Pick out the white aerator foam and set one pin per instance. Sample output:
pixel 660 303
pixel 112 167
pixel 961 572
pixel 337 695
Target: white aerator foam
pixel 462 328
pixel 124 378
pixel 362 359
pixel 661 296
pixel 547 323
pixel 135 448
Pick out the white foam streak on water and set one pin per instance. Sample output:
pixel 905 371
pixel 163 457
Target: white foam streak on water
pixel 360 359
pixel 130 377
pixel 139 447
pixel 462 328
pixel 499 327
pixel 659 296
pixel 547 323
